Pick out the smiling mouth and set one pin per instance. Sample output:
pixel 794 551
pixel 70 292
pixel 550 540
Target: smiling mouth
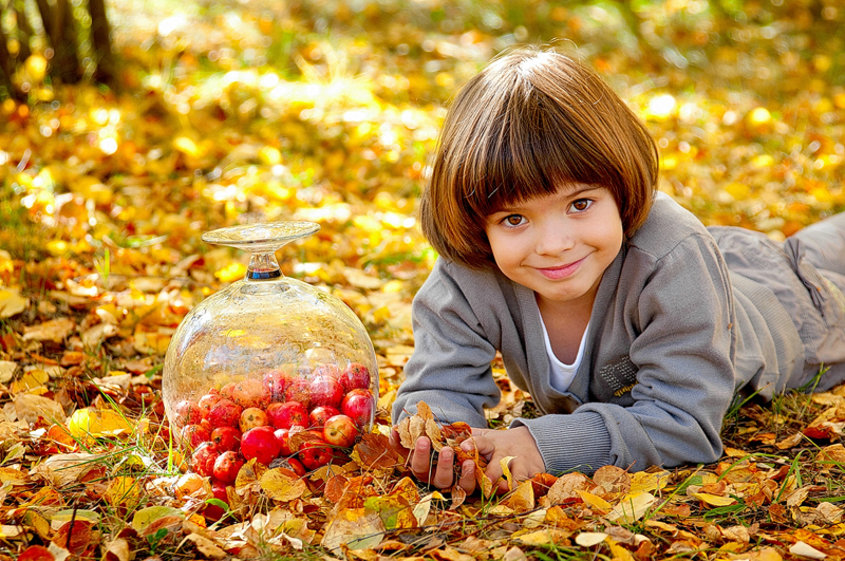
pixel 562 272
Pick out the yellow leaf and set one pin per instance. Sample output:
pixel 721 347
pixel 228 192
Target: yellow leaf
pixel 631 508
pixel 620 553
pixel 542 537
pixel 122 491
pixel 594 500
pixel 281 486
pixel 13 476
pixel 146 516
pixel 506 471
pixel 642 482
pixel 355 528
pixel 30 380
pixel 89 422
pixel 713 500
pixel 522 499
pixel 11 302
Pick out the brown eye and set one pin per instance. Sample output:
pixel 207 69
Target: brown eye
pixel 581 205
pixel 513 220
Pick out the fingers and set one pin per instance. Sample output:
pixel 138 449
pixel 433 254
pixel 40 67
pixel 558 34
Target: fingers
pixel 440 473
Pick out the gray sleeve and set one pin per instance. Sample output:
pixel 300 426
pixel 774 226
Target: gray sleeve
pixel 683 352
pixel 450 367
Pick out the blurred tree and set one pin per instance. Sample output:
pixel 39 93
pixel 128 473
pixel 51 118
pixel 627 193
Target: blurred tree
pixel 62 35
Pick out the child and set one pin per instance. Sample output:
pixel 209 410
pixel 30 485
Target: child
pixel 629 323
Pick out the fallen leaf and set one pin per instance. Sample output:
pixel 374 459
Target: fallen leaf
pixel 282 484
pixel 55 330
pixel 805 550
pixel 713 500
pixel 631 508
pixel 589 539
pixel 11 302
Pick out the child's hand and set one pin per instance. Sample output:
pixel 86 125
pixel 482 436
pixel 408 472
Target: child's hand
pixel 493 445
pixel 440 473
pixel 516 442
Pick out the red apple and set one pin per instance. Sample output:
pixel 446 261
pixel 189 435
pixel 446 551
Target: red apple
pixel 296 466
pixel 207 401
pixel 286 414
pixel 274 383
pixel 287 447
pixel 225 413
pixel 356 375
pixel 325 390
pixel 215 512
pixel 252 417
pixel 340 430
pixel 226 438
pixel 315 453
pixel 260 443
pixel 360 405
pixel 248 393
pixel 203 458
pixel 227 465
pixel 194 435
pixel 187 412
pixel 320 414
pixel 296 389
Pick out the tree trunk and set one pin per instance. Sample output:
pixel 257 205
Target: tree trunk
pixel 24 32
pixel 105 72
pixel 58 23
pixel 7 89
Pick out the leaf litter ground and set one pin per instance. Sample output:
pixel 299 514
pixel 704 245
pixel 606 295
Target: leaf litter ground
pixel 104 197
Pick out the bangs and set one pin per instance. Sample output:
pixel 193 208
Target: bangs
pixel 531 148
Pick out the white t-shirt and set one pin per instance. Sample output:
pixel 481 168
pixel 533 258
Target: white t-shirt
pixel 562 373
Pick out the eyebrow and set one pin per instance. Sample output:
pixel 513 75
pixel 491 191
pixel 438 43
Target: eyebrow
pixel 574 192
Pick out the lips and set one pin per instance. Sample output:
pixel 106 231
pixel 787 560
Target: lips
pixel 562 272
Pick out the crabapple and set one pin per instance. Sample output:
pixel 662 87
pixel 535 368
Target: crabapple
pixel 325 390
pixel 321 413
pixel 194 435
pixel 187 413
pixel 252 417
pixel 226 438
pixel 340 430
pixel 260 443
pixel 203 458
pixel 315 453
pixel 297 389
pixel 360 405
pixel 225 413
pixel 286 414
pixel 248 393
pixel 227 465
pixel 273 383
pixel 356 375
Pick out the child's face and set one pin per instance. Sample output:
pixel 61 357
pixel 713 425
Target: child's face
pixel 558 245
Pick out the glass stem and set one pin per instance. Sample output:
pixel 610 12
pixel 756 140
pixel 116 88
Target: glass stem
pixel 263 266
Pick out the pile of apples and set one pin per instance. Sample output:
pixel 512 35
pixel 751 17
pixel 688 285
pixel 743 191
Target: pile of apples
pixel 305 419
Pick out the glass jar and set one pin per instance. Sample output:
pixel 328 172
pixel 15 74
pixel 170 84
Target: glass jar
pixel 268 356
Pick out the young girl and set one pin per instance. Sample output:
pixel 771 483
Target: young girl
pixel 629 323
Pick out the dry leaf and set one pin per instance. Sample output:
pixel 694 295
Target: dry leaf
pixel 55 330
pixel 282 484
pixel 11 302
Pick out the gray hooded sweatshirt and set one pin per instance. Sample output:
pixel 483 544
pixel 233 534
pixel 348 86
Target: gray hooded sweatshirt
pixel 684 317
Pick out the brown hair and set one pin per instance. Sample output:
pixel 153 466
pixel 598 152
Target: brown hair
pixel 530 122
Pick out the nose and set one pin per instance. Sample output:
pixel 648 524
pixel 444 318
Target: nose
pixel 554 236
